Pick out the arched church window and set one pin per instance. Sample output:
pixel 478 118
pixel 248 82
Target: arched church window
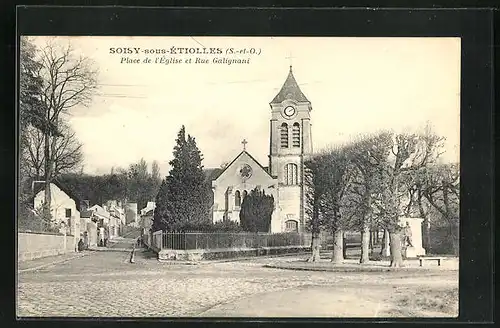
pixel 245 193
pixel 284 135
pixel 291 226
pixel 291 174
pixel 237 198
pixel 296 135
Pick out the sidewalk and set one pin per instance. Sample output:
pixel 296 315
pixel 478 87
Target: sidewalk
pixel 43 262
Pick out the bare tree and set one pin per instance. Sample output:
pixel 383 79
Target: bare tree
pixel 410 153
pixel 368 156
pixel 67 157
pixel 441 188
pixel 69 80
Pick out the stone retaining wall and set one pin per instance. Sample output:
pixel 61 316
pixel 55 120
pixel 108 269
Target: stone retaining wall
pixel 31 245
pixel 227 253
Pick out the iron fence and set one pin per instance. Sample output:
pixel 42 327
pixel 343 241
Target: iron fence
pixel 221 240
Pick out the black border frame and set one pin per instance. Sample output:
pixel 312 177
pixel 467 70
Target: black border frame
pixel 474 26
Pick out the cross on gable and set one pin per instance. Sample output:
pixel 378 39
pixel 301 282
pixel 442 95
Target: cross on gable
pixel 244 142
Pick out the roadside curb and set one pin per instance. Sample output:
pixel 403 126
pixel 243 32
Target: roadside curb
pixel 51 263
pixel 241 259
pixel 110 250
pixel 360 268
pixel 254 258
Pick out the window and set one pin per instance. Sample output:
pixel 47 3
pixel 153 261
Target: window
pixel 291 226
pixel 237 198
pixel 296 135
pixel 291 174
pixel 284 135
pixel 245 193
pixel 68 213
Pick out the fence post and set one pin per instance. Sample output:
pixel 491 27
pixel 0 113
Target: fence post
pixel 185 240
pixel 195 241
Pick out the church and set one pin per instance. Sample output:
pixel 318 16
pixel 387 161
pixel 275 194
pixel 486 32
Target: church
pixel 289 145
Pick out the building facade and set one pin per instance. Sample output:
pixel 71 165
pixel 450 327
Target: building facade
pixel 290 143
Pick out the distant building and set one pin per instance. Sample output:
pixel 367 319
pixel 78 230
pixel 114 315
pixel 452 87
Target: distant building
pixel 131 214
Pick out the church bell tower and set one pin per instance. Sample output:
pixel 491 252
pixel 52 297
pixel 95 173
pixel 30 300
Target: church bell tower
pixel 290 144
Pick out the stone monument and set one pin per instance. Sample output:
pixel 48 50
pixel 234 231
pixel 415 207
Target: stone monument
pixel 415 227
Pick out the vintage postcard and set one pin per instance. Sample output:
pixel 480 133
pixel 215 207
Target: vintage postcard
pixel 238 177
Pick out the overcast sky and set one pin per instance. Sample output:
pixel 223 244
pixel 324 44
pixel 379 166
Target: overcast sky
pixel 355 85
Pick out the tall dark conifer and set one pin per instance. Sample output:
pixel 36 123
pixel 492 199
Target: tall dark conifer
pixel 256 211
pixel 183 199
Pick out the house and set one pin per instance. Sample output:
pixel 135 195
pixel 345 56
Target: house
pixel 117 214
pixel 64 207
pixel 146 219
pixel 89 227
pixel 64 204
pixel 105 221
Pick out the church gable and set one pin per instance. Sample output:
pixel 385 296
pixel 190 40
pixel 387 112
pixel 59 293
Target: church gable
pixel 244 169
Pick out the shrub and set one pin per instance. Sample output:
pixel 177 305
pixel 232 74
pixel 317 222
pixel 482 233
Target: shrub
pixel 36 221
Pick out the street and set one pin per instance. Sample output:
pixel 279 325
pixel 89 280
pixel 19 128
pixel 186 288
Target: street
pixel 105 284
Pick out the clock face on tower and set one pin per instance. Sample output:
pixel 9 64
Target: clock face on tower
pixel 289 111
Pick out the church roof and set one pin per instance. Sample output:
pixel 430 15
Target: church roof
pixel 212 174
pixel 290 90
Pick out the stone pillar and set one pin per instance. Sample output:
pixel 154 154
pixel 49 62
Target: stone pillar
pixel 416 238
pixel 386 250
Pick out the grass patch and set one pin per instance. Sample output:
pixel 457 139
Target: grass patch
pixel 425 302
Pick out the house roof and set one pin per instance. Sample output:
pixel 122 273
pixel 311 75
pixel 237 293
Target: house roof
pixel 85 214
pixel 40 187
pixel 290 90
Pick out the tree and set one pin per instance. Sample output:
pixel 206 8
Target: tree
pixel 183 201
pixel 316 172
pixel 256 211
pixel 416 181
pixel 336 180
pixel 441 188
pixel 31 111
pixel 410 152
pixel 67 156
pixel 68 81
pixel 368 156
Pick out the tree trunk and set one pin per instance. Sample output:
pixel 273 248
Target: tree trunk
pixel 365 244
pixel 427 235
pixel 338 247
pixel 47 196
pixel 315 246
pixel 455 235
pixel 344 248
pixel 426 232
pixel 396 251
